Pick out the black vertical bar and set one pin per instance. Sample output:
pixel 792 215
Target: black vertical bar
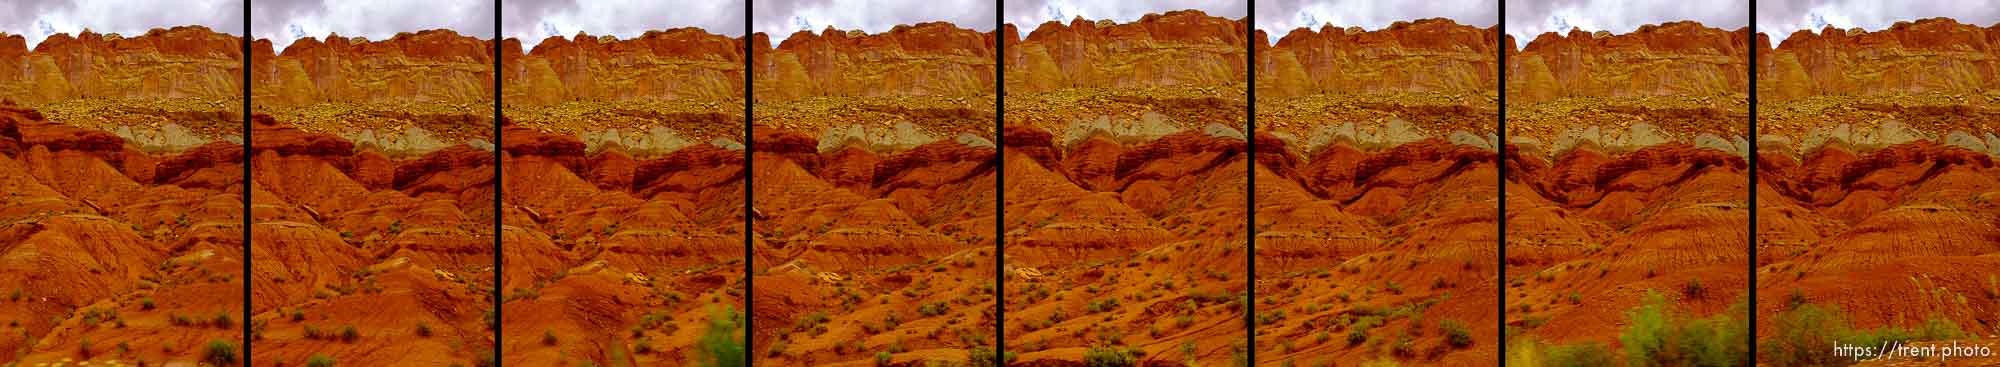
pixel 1250 188
pixel 1751 245
pixel 498 258
pixel 749 144
pixel 247 321
pixel 1500 160
pixel 999 183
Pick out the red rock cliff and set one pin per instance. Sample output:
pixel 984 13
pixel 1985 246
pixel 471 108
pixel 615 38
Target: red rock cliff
pixel 1928 55
pixel 1185 47
pixel 186 61
pixel 682 63
pixel 927 59
pixel 1427 55
pixel 427 66
pixel 1678 58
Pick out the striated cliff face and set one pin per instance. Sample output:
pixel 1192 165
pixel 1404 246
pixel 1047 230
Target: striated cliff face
pixel 1928 55
pixel 682 63
pixel 1924 80
pixel 1428 78
pixel 1672 82
pixel 1178 48
pixel 927 59
pixel 1678 58
pixel 181 62
pixel 423 67
pixel 1165 73
pixel 1427 55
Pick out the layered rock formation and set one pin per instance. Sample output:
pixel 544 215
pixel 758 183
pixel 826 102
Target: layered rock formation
pixel 180 62
pixel 1683 78
pixel 373 178
pixel 410 94
pixel 166 91
pixel 1876 181
pixel 1126 168
pixel 874 191
pixel 400 251
pixel 1376 173
pixel 624 92
pixel 1627 174
pixel 1185 65
pixel 104 245
pixel 926 59
pixel 1933 76
pixel 624 197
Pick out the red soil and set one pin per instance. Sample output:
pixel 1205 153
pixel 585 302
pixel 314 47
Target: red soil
pixel 1590 232
pixel 622 260
pixel 398 249
pixel 103 247
pixel 892 249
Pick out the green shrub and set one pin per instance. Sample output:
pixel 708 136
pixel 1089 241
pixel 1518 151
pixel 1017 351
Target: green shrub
pixel 1456 334
pixel 1657 335
pixel 1530 353
pixel 981 356
pixel 882 359
pixel 349 333
pixel 220 352
pixel 319 360
pixel 1801 336
pixel 722 344
pixel 1105 356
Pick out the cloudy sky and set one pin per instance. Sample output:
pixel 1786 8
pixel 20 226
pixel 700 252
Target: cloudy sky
pixel 284 21
pixel 37 19
pixel 1779 18
pixel 779 18
pixel 531 21
pixel 1279 17
pixel 1529 18
pixel 1028 14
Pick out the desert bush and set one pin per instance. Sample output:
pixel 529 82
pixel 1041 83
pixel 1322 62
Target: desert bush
pixel 1801 336
pixel 220 352
pixel 423 329
pixel 882 359
pixel 349 334
pixel 721 345
pixel 1108 356
pixel 319 360
pixel 549 337
pixel 1455 333
pixel 1657 335
pixel 1530 353
pixel 981 356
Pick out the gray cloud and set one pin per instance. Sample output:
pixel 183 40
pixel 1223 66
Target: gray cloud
pixel 1779 18
pixel 779 18
pixel 1279 17
pixel 37 19
pixel 284 21
pixel 1027 14
pixel 1529 18
pixel 534 20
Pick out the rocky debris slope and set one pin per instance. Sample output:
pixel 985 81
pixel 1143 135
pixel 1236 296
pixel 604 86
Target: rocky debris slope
pixel 109 253
pixel 356 253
